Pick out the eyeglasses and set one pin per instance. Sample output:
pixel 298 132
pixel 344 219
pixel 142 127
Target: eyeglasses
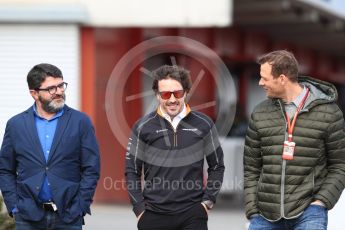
pixel 52 89
pixel 167 94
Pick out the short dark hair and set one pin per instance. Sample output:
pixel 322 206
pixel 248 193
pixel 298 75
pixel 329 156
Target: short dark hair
pixel 40 72
pixel 283 62
pixel 174 72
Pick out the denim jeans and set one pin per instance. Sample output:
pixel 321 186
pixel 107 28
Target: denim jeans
pixel 50 221
pixel 315 217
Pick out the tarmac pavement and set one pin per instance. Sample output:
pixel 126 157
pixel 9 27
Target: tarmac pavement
pixel 226 215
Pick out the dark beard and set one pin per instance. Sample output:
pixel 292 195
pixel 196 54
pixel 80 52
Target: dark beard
pixel 49 106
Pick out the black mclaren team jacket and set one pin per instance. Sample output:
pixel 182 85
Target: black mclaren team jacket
pixel 172 163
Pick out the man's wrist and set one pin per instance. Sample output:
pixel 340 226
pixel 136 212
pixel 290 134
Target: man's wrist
pixel 208 203
pixel 14 211
pixel 139 216
pixel 139 208
pixel 319 202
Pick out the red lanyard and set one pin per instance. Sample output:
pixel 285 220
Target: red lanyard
pixel 291 126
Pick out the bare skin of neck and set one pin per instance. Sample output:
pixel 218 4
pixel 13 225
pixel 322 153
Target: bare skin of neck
pixel 292 90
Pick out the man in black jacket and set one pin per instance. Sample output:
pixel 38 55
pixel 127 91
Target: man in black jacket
pixel 169 146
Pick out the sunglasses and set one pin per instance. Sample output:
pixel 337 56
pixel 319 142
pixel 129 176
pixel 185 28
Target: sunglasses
pixel 167 94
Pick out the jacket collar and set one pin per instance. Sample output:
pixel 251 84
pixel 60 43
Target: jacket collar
pixel 321 92
pixel 60 129
pixel 159 112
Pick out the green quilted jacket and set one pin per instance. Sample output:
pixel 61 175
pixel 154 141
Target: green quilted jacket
pixel 276 188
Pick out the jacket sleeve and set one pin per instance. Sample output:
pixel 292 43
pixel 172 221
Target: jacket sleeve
pixel 133 171
pixel 252 168
pixel 215 161
pixel 90 166
pixel 333 185
pixel 8 170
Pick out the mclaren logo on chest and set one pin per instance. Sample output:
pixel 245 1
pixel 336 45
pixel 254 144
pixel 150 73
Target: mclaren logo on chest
pixel 191 130
pixel 161 130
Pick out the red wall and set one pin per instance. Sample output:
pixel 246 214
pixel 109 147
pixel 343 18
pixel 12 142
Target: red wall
pixel 101 50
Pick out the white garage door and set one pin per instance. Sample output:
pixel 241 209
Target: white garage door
pixel 22 47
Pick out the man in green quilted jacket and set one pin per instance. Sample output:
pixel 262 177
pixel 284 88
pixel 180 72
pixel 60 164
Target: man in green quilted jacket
pixel 294 155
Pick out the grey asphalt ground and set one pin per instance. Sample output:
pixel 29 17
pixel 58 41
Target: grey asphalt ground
pixel 227 214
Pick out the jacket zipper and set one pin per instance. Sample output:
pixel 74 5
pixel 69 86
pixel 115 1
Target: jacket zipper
pixel 282 181
pixel 175 138
pixel 175 134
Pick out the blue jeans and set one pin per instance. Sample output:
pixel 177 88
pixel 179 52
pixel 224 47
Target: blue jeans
pixel 50 221
pixel 315 217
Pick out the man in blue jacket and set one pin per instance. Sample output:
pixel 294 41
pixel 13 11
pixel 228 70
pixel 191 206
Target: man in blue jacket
pixel 49 159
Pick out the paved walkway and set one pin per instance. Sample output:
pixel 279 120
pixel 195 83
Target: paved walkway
pixel 226 215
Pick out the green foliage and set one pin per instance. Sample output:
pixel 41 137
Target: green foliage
pixel 6 222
